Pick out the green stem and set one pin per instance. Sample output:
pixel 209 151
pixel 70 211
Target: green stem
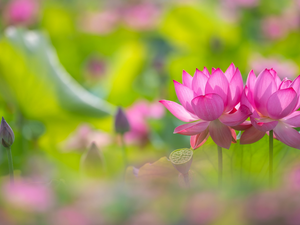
pixel 10 165
pixel 124 151
pixel 220 166
pixel 271 157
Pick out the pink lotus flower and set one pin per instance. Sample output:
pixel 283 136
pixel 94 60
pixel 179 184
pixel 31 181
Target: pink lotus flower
pixel 274 104
pixel 210 103
pixel 21 12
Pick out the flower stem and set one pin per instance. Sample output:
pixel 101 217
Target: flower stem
pixel 271 157
pixel 124 151
pixel 10 165
pixel 220 164
pixel 186 179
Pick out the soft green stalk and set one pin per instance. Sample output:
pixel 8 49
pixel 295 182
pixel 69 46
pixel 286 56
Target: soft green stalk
pixel 271 157
pixel 186 178
pixel 220 166
pixel 124 151
pixel 10 165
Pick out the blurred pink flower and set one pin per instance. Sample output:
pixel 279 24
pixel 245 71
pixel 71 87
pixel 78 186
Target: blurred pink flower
pixel 240 3
pixel 274 104
pixel 102 23
pixel 210 103
pixel 95 68
pixel 264 208
pixel 284 68
pixel 276 27
pixel 84 136
pixel 27 196
pixel 137 115
pixel 204 208
pixel 292 179
pixel 146 218
pixel 231 9
pixel 70 215
pixel 291 18
pixel 161 169
pixel 143 16
pixel 21 12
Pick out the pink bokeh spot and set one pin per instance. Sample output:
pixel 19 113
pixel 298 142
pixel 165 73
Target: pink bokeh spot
pixel 84 136
pixel 70 215
pixel 137 115
pixel 142 16
pixel 284 68
pixel 22 12
pixel 28 196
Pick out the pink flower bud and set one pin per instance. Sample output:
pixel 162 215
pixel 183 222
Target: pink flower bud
pixel 121 122
pixel 6 134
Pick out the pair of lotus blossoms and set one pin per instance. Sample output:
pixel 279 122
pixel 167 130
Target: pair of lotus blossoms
pixel 217 104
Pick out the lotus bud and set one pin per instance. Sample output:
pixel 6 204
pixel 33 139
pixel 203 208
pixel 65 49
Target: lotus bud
pixel 92 162
pixel 121 122
pixel 182 159
pixel 6 134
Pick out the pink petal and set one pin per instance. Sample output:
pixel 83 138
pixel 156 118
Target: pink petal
pixel 250 84
pixel 213 70
pixel 190 129
pixel 264 87
pixel 218 84
pixel 282 103
pixel 233 135
pixel 285 83
pixel 243 126
pixel 179 111
pixel 220 134
pixel 251 80
pixel 206 72
pixel 296 85
pixel 263 126
pixel 199 82
pixel 184 95
pixel 298 104
pixel 229 73
pixel 235 90
pixel 293 119
pixel 276 78
pixel 197 140
pixel 287 135
pixel 251 135
pixel 245 100
pixel 208 107
pixel 236 118
pixel 187 79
